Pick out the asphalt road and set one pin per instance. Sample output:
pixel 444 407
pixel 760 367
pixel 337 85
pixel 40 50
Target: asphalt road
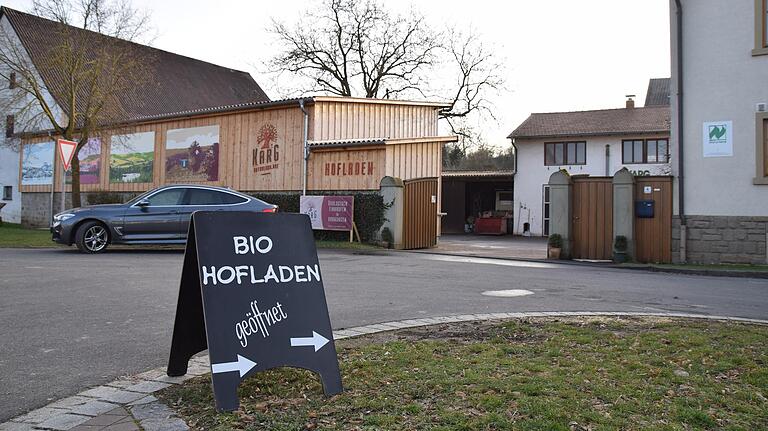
pixel 70 321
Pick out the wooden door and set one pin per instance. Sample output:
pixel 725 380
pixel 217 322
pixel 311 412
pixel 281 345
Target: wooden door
pixel 592 218
pixel 420 213
pixel 653 236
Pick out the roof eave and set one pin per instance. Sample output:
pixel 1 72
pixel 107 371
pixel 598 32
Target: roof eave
pixel 591 134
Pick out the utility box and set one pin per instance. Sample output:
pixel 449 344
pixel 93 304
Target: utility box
pixel 644 209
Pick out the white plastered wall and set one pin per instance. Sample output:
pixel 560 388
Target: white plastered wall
pixel 722 82
pixel 9 151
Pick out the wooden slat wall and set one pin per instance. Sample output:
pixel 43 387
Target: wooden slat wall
pixel 237 138
pixel 357 120
pixel 318 180
pixel 653 236
pixel 238 134
pixel 592 218
pixel 418 160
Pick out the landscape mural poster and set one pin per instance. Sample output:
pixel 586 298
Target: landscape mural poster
pixel 37 164
pixel 132 158
pixel 192 154
pixel 90 162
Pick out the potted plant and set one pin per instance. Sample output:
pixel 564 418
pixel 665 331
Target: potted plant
pixel 554 246
pixel 386 238
pixel 620 249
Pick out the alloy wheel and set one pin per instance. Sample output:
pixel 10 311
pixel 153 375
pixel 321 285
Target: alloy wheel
pixel 95 238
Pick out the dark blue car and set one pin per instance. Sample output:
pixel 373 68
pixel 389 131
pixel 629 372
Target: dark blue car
pixel 159 216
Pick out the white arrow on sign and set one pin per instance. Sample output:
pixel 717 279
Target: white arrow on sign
pixel 243 365
pixel 316 340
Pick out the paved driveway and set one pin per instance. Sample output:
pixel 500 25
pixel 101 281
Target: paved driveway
pixel 70 321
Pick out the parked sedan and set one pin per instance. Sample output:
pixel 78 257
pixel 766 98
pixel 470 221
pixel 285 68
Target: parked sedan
pixel 159 216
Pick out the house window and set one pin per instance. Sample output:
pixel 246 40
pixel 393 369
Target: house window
pixel 565 153
pixel 644 151
pixel 761 27
pixel 12 80
pixel 9 123
pixel 761 176
pixel 7 193
pixel 765 148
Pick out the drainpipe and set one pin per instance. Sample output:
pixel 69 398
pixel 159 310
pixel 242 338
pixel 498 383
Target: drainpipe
pixel 306 147
pixel 680 146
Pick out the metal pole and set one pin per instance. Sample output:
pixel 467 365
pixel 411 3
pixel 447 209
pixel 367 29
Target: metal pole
pixel 53 180
pixel 306 146
pixel 63 185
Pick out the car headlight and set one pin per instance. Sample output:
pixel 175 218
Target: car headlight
pixel 63 216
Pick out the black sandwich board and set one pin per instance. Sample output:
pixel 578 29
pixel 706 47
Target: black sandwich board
pixel 251 292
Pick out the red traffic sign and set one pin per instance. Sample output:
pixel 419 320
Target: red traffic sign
pixel 66 151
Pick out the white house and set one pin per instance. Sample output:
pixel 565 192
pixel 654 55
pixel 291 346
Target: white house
pixel 720 121
pixel 12 100
pixel 595 143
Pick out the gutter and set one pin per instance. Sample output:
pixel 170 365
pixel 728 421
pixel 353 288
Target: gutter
pixel 680 146
pixel 679 96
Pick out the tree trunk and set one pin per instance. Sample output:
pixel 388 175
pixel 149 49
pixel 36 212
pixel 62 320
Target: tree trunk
pixel 75 181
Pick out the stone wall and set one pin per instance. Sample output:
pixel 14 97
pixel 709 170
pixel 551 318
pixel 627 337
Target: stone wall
pixel 36 207
pixel 722 239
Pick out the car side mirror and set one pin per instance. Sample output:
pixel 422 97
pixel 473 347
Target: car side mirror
pixel 142 203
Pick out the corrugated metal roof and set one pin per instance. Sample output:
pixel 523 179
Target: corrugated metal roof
pixel 658 92
pixel 347 143
pixel 480 173
pixel 622 121
pixel 226 108
pixel 173 83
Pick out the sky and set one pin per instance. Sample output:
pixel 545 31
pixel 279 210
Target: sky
pixel 560 55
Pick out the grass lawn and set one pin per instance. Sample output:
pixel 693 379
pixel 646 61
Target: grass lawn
pixel 13 235
pixel 571 375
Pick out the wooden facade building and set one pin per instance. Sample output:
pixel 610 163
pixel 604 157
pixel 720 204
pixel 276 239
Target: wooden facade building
pixel 353 144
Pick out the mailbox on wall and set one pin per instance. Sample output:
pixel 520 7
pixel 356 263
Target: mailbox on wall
pixel 644 209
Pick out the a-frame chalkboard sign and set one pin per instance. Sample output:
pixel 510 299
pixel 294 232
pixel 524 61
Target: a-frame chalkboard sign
pixel 252 293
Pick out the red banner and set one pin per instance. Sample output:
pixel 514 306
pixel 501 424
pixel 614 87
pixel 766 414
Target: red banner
pixel 329 212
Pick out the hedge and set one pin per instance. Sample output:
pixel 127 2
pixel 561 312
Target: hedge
pixel 369 212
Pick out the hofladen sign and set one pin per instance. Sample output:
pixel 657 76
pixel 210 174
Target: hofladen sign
pixel 328 212
pixel 252 293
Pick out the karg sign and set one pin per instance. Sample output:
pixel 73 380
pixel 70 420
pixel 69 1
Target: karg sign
pixel 329 212
pixel 252 293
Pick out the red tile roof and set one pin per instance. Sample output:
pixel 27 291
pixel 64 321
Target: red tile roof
pixel 624 121
pixel 174 83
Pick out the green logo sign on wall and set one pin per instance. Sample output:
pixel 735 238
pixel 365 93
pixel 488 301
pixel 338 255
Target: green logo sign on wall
pixel 717 132
pixel 718 139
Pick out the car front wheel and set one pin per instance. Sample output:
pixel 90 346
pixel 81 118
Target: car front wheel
pixel 92 237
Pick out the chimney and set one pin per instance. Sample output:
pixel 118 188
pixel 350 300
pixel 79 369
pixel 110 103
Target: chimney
pixel 630 101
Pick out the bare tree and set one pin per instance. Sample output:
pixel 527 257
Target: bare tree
pixel 477 76
pixel 350 48
pixel 357 48
pixel 76 80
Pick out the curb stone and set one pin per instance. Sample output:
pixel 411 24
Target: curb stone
pixel 608 265
pixel 134 393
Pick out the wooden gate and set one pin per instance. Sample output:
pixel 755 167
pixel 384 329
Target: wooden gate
pixel 420 213
pixel 653 236
pixel 592 218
